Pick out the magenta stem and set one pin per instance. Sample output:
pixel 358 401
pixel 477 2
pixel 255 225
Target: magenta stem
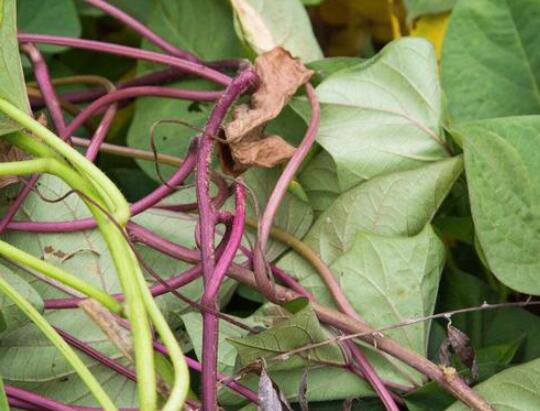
pixel 210 300
pixel 142 30
pixel 154 78
pixel 116 49
pixel 41 402
pixel 237 231
pixel 149 238
pixel 89 223
pixel 142 91
pixel 171 283
pixel 222 378
pixel 43 79
pixel 23 405
pixel 267 219
pixel 101 132
pixel 371 376
pixel 95 354
pixel 207 222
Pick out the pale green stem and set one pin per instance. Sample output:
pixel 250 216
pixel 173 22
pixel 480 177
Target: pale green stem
pixel 28 260
pixel 40 322
pixel 31 145
pixel 120 252
pixel 128 273
pixel 111 195
pixel 180 388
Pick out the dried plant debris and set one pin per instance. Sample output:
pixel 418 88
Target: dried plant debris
pixel 10 153
pixel 458 342
pixel 247 145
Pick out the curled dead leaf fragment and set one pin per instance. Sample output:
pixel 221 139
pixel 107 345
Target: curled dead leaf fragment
pixel 247 145
pixel 10 153
pixel 459 343
pixel 105 320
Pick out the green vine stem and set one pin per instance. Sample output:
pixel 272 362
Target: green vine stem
pixel 77 364
pixel 111 195
pixel 92 182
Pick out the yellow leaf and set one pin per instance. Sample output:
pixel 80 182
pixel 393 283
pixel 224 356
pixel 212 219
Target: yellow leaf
pixel 432 27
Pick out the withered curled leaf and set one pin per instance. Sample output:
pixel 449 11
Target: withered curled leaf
pixel 247 145
pixel 10 153
pixel 459 343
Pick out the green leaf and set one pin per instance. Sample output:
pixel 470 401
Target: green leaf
pixel 25 355
pixel 169 138
pixel 70 389
pixel 11 316
pixel 330 65
pixel 203 27
pixel 490 61
pixel 226 352
pixel 345 384
pixel 490 360
pixel 140 9
pixel 294 215
pixel 320 181
pixel 12 86
pixel 4 406
pixel 266 24
pixel 57 17
pixel 502 166
pixel 490 327
pixel 383 115
pixel 417 8
pixel 311 2
pixel 389 280
pixel 398 204
pixel 394 205
pixel 516 388
pixel 296 331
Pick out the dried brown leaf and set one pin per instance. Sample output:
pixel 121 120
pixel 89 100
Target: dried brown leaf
pixel 10 153
pixel 458 342
pixel 105 320
pixel 247 145
pixel 270 396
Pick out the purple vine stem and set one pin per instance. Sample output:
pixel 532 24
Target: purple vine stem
pixel 95 354
pixel 172 283
pixel 41 73
pixel 207 221
pixel 110 48
pixel 222 378
pixel 259 260
pixel 370 375
pixel 154 78
pixel 142 91
pixel 101 132
pixel 23 405
pixel 142 30
pixel 136 208
pixel 237 231
pixel 29 400
pixel 210 300
pixel 177 251
pixel 43 79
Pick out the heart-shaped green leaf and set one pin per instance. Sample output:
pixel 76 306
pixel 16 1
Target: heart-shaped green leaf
pixel 503 171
